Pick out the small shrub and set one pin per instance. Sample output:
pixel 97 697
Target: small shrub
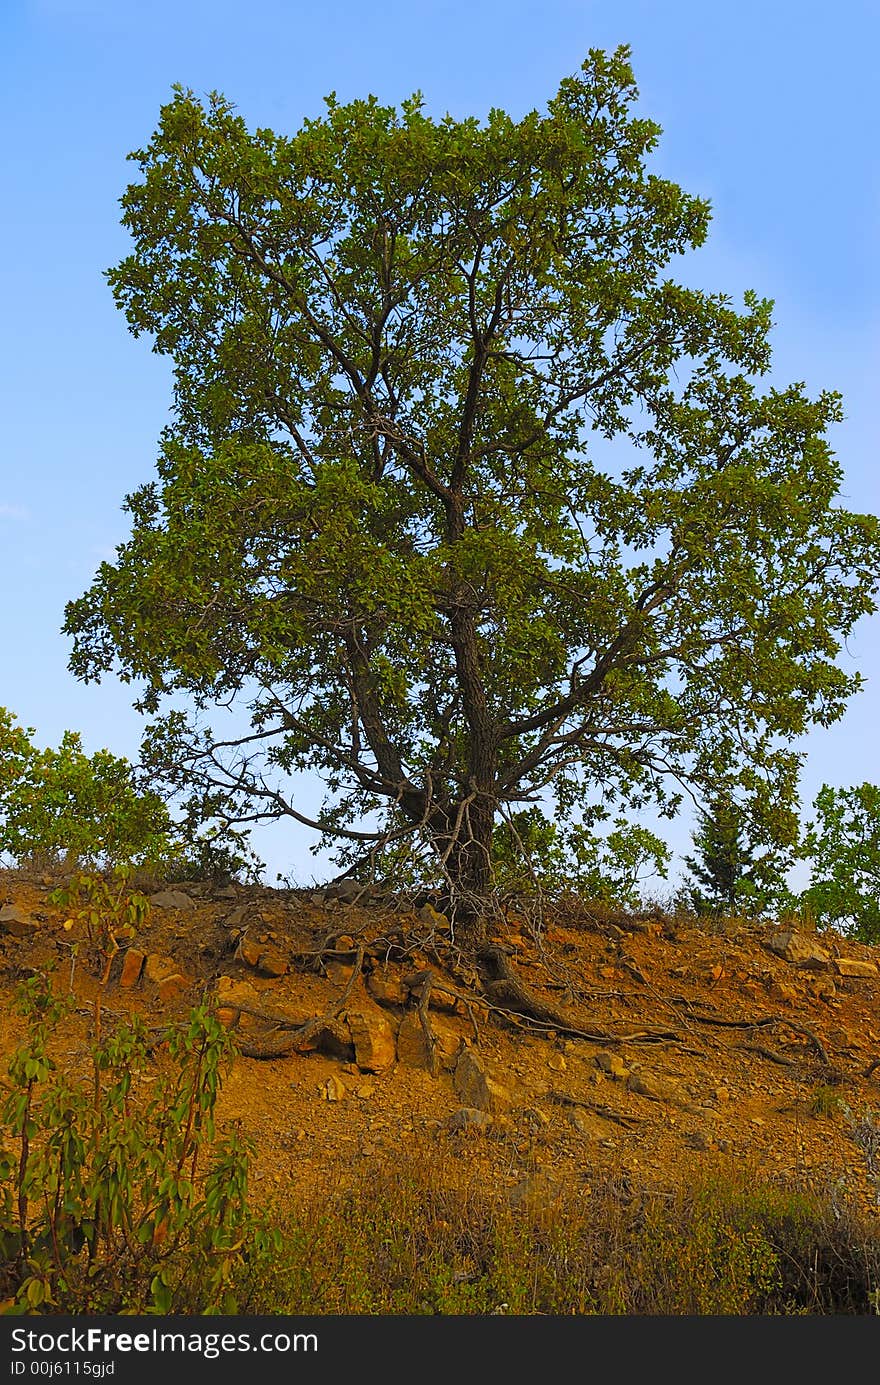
pixel 112 1202
pixel 66 809
pixel 824 1101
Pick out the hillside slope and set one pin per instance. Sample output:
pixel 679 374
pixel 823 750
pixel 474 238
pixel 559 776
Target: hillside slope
pixel 661 1046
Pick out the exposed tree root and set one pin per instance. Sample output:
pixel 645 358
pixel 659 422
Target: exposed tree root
pixel 506 987
pixel 286 1037
pixel 522 1003
pixel 769 1054
pixel 766 1023
pixel 606 1112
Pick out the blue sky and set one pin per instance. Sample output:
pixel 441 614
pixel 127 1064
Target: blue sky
pixel 766 110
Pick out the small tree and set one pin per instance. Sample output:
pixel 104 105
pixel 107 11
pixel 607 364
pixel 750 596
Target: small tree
pixel 731 873
pixel 465 498
pixel 843 843
pixel 66 807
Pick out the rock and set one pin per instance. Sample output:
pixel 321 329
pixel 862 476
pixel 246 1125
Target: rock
pixel 557 1062
pixel 347 891
pixel 696 1139
pixel 339 972
pixel 273 963
pixel 433 918
pixel 583 1122
pixel 261 957
pixel 236 918
pixel 334 1089
pixel 799 948
pixel 332 1038
pixel 249 951
pixel 468 1117
pixel 412 1050
pixel 721 1094
pixel 158 968
pixel 535 1192
pixel 230 995
pixel 364 1091
pixel 233 992
pixel 477 1087
pixel 375 1049
pixel 172 899
pixel 225 892
pixel 387 989
pixel 132 966
pixel 612 1063
pixel 16 922
pixel 171 986
pixel 654 1087
pixel 787 993
pixel 851 966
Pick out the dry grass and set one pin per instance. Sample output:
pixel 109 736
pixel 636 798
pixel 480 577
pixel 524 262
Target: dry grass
pixel 410 1238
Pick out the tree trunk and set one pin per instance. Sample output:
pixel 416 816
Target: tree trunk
pixel 469 866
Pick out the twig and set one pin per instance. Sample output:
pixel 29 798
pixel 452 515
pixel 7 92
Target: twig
pixel 769 1054
pixel 424 1019
pixel 619 1117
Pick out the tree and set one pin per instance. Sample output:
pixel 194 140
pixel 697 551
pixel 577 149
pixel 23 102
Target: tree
pixel 732 873
pixel 465 500
pixel 65 805
pixel 844 845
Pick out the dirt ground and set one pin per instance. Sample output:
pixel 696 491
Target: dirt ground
pixel 678 1046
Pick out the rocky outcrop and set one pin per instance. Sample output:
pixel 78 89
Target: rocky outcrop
pixel 375 1048
pixel 477 1086
pixel 801 949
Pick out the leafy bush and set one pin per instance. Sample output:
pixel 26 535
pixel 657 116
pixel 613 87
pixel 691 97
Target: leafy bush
pixel 843 844
pixel 110 1200
pixel 66 807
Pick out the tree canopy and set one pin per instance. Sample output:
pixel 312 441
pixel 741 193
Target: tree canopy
pixel 465 499
pixel 843 845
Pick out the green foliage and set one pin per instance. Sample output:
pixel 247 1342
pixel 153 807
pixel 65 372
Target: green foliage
pixel 120 1202
pixel 65 805
pixel 738 867
pixel 465 498
pixel 529 852
pixel 843 843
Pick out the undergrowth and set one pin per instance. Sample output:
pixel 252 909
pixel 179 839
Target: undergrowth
pixel 410 1238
